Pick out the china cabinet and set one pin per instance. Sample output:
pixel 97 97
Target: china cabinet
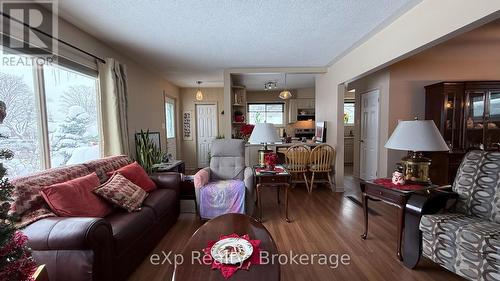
pixel 468 116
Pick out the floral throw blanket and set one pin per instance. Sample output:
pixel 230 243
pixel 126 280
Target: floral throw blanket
pixel 222 197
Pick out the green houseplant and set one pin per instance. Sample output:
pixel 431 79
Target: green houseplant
pixel 147 152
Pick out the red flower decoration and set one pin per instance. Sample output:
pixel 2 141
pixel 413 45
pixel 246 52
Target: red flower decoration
pixel 228 270
pixel 23 266
pixel 246 130
pixel 271 159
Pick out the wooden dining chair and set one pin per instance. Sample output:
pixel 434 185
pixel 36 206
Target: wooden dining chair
pixel 322 161
pixel 296 160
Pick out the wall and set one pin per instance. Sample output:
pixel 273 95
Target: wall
pixel 377 81
pixel 305 93
pixel 145 85
pixel 471 56
pixel 188 102
pixel 426 25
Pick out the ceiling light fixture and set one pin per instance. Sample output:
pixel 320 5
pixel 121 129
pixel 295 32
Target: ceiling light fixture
pixel 199 94
pixel 285 94
pixel 270 85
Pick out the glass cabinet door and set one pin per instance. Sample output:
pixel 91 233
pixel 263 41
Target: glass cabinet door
pixel 492 124
pixel 452 120
pixel 475 119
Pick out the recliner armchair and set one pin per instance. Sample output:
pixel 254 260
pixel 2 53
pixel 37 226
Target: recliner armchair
pixel 227 173
pixel 463 237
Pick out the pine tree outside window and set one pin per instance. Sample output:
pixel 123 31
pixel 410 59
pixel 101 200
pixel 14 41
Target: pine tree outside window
pixel 53 119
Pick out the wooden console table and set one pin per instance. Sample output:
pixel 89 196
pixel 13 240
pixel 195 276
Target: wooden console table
pixel 394 197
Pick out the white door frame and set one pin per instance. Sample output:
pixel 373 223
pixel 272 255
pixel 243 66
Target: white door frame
pixel 176 119
pixel 377 138
pixel 196 122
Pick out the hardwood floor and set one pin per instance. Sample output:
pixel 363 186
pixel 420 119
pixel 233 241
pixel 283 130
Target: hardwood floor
pixel 323 222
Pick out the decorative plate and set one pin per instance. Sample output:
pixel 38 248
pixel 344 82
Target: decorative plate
pixel 231 250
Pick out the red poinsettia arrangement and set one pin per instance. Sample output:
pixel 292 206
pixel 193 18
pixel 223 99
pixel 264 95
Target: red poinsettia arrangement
pixel 271 159
pixel 17 263
pixel 246 130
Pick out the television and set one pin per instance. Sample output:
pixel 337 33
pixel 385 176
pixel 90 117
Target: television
pixel 320 132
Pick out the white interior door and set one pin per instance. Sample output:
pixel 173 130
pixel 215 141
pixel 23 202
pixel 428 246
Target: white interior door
pixel 206 128
pixel 369 135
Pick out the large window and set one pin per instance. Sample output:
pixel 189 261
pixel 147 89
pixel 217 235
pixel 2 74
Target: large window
pixel 52 118
pixel 266 113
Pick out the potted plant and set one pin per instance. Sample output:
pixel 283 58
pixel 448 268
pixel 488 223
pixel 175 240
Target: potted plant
pixel 147 152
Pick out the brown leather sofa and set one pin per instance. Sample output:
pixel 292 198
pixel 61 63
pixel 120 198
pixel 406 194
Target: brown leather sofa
pixel 110 248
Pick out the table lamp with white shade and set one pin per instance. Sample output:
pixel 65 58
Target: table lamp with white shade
pixel 416 136
pixel 264 133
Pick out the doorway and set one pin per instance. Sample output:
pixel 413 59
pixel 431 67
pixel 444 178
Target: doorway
pixel 369 135
pixel 206 131
pixel 170 121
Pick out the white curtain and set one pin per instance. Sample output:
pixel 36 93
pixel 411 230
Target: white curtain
pixel 113 108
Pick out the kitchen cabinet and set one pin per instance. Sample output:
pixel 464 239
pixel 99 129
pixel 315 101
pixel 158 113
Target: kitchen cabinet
pixel 292 111
pixel 349 150
pixel 305 103
pixel 295 106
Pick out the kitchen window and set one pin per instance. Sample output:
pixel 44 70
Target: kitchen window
pixel 266 113
pixel 52 117
pixel 349 113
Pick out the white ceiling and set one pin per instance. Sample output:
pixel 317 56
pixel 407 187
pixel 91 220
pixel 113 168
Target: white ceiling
pixel 189 40
pixel 256 81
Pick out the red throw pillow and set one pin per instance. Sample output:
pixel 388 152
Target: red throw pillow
pixel 75 198
pixel 122 192
pixel 136 174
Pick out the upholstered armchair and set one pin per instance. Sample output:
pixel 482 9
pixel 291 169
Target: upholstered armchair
pixel 227 185
pixel 458 227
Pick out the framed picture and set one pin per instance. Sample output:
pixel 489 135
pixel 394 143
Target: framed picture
pixel 187 125
pixel 153 136
pixel 320 133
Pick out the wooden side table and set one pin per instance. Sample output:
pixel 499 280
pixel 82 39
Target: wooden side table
pixel 279 180
pixel 394 197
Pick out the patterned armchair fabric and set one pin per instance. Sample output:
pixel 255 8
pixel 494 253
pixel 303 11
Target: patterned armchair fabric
pixel 227 165
pixel 467 240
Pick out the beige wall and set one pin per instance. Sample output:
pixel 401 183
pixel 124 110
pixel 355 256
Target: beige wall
pixel 421 27
pixel 471 56
pixel 188 102
pixel 145 85
pixel 377 81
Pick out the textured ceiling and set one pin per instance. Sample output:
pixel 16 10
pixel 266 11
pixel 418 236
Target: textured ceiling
pixel 256 81
pixel 189 40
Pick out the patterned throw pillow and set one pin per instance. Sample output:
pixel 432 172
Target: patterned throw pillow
pixel 123 193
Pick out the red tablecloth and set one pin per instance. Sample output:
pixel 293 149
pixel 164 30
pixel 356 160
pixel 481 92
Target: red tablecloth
pixel 228 270
pixel 388 183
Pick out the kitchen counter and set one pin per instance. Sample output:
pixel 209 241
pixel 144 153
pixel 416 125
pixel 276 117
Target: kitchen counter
pixel 251 150
pixel 282 144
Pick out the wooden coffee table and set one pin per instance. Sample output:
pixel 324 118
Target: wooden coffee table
pixel 212 230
